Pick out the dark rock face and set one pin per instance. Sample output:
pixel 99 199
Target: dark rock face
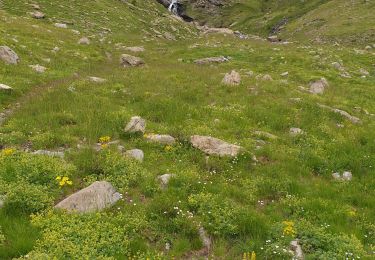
pixel 179 9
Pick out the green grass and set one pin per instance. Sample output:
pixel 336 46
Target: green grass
pixel 240 203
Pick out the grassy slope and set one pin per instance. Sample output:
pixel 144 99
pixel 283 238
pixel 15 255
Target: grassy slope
pixel 334 20
pixel 181 99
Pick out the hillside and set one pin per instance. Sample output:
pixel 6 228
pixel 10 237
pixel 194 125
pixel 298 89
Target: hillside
pixel 176 143
pixel 317 20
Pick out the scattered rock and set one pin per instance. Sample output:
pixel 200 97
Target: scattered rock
pixel 49 153
pixel 338 66
pixel 136 154
pixel 169 36
pixel 161 139
pixel 346 176
pixel 266 135
pixel 8 55
pixel 214 146
pixel 233 78
pixel 38 15
pixel 97 196
pixel 284 74
pixel 319 86
pixel 265 77
pixel 297 250
pixel 130 61
pixel 38 68
pixel 35 6
pixel 210 60
pixel 295 131
pixel 97 79
pixel 2 201
pixel 364 72
pixel 208 30
pixel 206 240
pixel 61 25
pixel 164 180
pixel 135 49
pixel 4 87
pixel 84 41
pixel 353 119
pixel 273 38
pixel 136 124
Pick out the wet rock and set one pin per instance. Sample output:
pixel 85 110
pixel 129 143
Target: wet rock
pixel 96 197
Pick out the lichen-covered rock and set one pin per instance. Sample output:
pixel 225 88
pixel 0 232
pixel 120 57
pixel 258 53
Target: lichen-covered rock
pixel 96 197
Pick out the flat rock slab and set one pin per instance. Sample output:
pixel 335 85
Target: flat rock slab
pixel 127 60
pixel 96 197
pixel 210 60
pixel 214 146
pixel 8 55
pixel 161 139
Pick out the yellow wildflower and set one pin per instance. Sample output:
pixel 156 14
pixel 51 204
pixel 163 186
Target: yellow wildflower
pixel 168 148
pixel 104 139
pixel 58 178
pixel 8 151
pixel 289 229
pixel 352 213
pixel 62 181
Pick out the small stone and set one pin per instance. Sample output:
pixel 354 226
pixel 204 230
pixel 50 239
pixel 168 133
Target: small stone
pixel 130 61
pixel 8 55
pixel 97 80
pixel 136 154
pixel 84 41
pixel 35 6
pixel 169 36
pixel 267 78
pixel 38 15
pixel 336 176
pixel 338 66
pixel 284 74
pixel 49 153
pixel 4 87
pixel 265 134
pixel 61 25
pixel 294 131
pixel 38 68
pixel 273 38
pixel 135 49
pixel 161 139
pixel 319 86
pixel 347 176
pixel 210 60
pixel 233 78
pixel 164 180
pixel 364 72
pixel 136 124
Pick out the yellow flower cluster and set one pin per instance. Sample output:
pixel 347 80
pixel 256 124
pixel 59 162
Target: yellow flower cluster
pixel 168 148
pixel 289 229
pixel 8 151
pixel 104 139
pixel 352 213
pixel 63 180
pixel 249 256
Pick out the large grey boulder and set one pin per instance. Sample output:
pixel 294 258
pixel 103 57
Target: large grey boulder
pixel 214 146
pixel 96 197
pixel 8 55
pixel 136 124
pixel 127 60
